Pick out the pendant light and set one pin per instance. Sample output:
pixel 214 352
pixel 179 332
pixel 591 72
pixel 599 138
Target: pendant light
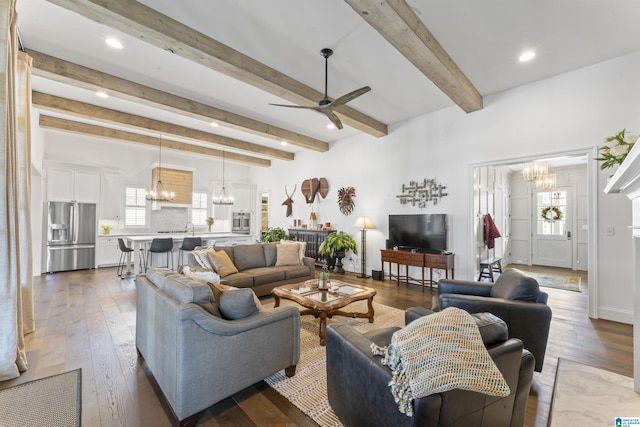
pixel 222 198
pixel 533 171
pixel 156 192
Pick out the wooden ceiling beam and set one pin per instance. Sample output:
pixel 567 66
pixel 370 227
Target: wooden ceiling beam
pixel 147 24
pixel 77 75
pixel 81 109
pixel 56 123
pixel 396 21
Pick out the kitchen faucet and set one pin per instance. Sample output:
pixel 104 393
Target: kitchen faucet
pixel 193 228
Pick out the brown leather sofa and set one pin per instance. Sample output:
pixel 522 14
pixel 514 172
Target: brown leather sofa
pixel 515 298
pixel 358 384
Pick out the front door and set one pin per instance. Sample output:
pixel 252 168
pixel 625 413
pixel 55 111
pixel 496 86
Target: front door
pixel 551 243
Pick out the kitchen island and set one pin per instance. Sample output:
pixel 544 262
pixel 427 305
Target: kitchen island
pixel 142 241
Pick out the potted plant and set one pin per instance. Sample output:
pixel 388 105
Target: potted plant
pixel 274 234
pixel 106 229
pixel 336 246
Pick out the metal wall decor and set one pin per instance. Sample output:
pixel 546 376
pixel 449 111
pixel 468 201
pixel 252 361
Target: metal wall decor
pixel 419 193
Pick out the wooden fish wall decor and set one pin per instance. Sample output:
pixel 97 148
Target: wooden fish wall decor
pixel 289 202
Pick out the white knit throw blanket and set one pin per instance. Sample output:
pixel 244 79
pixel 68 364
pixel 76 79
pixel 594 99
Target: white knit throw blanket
pixel 436 353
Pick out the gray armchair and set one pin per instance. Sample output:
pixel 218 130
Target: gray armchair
pixel 515 298
pixel 358 384
pixel 199 358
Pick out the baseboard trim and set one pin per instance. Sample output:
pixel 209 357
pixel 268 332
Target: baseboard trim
pixel 616 315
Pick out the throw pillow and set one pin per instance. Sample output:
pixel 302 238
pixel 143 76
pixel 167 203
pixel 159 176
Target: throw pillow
pixel 514 284
pixel 288 254
pixel 302 246
pixel 246 257
pixel 221 263
pixel 438 353
pixel 201 258
pixel 234 303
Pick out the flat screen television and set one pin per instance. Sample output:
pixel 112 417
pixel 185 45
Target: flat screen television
pixel 420 232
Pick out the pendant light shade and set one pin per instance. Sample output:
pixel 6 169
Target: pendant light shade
pixel 222 198
pixel 535 170
pixel 546 182
pixel 156 192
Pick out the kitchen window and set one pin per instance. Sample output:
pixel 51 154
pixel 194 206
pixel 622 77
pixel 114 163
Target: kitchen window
pixel 199 209
pixel 135 212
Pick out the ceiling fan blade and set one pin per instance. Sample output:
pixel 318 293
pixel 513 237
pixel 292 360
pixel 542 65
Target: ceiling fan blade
pixel 333 117
pixel 308 107
pixel 350 96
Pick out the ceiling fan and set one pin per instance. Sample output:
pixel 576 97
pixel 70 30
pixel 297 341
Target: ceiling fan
pixel 326 105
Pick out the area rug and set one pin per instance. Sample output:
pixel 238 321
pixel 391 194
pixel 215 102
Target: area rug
pixel 557 281
pixel 588 396
pixel 54 401
pixel 307 389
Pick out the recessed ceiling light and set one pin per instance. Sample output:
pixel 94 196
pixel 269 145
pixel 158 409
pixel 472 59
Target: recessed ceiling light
pixel 114 43
pixel 284 143
pixel 101 94
pixel 213 124
pixel 331 126
pixel 527 56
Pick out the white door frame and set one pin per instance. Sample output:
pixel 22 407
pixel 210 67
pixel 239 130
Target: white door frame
pixel 592 178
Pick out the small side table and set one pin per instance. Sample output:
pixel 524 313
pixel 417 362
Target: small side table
pixel 488 267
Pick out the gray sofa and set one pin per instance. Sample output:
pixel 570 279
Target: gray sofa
pixel 256 264
pixel 196 356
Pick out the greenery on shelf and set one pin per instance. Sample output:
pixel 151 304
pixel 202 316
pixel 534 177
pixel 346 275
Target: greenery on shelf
pixel 336 242
pixel 616 148
pixel 274 234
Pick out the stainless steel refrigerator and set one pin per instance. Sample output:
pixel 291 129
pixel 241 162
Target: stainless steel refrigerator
pixel 71 236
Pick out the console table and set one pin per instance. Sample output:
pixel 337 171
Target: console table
pixel 417 259
pixel 314 239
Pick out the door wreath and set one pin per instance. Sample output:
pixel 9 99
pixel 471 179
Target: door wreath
pixel 551 213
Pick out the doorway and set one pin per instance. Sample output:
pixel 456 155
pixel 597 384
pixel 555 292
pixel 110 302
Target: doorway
pixel 264 211
pixel 551 234
pixel 519 219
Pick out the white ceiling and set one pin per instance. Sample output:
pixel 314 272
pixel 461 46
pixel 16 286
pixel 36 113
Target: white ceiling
pixel 484 38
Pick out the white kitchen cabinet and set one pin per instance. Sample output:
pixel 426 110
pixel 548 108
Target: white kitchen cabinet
pixel 110 196
pixel 107 252
pixel 244 195
pixel 65 184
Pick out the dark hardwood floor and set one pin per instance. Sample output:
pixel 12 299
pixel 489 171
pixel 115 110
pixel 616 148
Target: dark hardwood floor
pixel 86 319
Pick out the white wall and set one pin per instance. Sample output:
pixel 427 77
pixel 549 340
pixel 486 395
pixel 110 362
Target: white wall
pixel 572 111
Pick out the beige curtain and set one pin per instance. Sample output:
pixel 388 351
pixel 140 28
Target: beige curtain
pixel 16 278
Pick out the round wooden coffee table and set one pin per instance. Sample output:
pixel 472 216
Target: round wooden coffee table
pixel 326 304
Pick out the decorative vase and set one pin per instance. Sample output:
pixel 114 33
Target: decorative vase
pixel 322 284
pixel 209 228
pixel 337 268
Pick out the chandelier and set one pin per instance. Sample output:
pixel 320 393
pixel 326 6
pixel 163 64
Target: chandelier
pixel 546 182
pixel 222 198
pixel 157 192
pixel 533 171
